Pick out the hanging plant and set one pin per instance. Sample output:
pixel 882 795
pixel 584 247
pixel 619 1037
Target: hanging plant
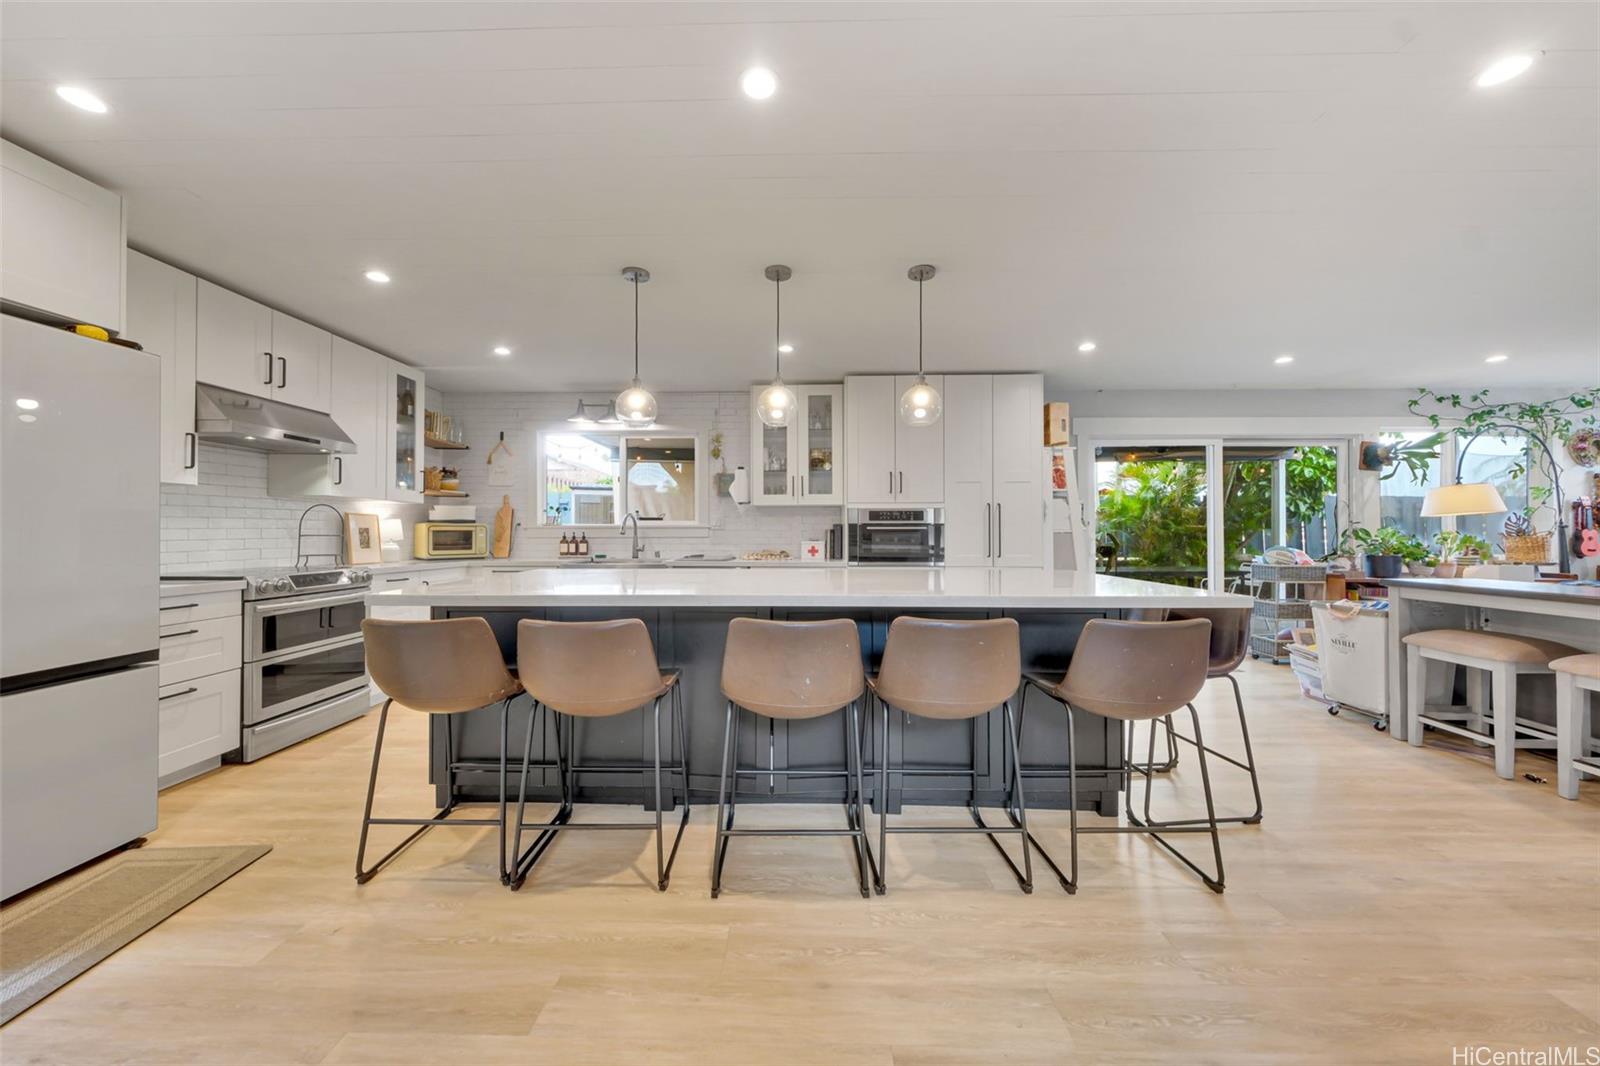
pixel 1552 420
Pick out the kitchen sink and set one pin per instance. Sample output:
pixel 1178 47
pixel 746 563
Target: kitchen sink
pixel 614 564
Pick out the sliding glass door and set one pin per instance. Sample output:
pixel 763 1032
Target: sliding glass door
pixel 1152 512
pixel 1195 512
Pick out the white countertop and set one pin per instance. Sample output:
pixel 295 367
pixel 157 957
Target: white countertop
pixel 948 588
pixel 192 586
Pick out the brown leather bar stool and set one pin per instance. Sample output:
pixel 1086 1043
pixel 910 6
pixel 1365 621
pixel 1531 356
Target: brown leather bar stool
pixel 581 670
pixel 950 671
pixel 1135 672
pixel 792 671
pixel 1230 641
pixel 441 667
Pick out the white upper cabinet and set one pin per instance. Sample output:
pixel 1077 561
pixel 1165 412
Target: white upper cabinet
pixel 64 240
pixel 995 506
pixel 302 354
pixel 889 461
pixel 358 379
pixel 869 404
pixel 249 347
pixel 161 317
pixel 234 342
pixel 800 464
pixel 918 451
pixel 1021 511
pixel 402 455
pixel 969 470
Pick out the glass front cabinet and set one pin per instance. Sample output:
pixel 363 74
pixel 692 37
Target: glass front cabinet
pixel 802 464
pixel 403 465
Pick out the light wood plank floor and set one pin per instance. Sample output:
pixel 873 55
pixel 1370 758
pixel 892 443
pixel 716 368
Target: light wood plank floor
pixel 1394 904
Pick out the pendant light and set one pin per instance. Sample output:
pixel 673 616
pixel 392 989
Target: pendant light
pixel 776 404
pixel 921 404
pixel 634 404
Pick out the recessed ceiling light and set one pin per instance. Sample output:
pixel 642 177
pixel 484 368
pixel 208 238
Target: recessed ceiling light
pixel 1284 360
pixel 1498 357
pixel 27 404
pixel 82 99
pixel 501 349
pixel 1087 346
pixel 377 277
pixel 785 348
pixel 1503 70
pixel 758 83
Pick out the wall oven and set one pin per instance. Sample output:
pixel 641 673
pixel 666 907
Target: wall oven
pixel 896 536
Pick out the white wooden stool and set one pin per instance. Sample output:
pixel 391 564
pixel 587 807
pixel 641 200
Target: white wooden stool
pixel 1576 676
pixel 1502 656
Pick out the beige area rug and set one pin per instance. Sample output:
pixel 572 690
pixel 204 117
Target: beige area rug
pixel 58 932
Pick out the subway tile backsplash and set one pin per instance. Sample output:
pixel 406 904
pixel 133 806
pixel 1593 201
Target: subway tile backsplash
pixel 228 521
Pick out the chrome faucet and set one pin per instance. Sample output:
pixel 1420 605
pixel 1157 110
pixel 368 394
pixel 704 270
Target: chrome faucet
pixel 633 516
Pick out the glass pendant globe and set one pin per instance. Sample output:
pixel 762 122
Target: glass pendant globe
pixel 921 404
pixel 636 406
pixel 776 405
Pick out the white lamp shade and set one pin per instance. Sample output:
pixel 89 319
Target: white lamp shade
pixel 1478 497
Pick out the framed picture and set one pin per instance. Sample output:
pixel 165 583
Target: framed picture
pixel 363 545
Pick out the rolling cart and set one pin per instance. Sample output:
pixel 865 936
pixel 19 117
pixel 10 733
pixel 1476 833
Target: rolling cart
pixel 1281 599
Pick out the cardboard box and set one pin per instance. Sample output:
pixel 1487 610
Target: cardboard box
pixel 1057 427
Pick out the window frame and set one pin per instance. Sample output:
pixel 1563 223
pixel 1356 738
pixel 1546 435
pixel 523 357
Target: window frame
pixel 702 478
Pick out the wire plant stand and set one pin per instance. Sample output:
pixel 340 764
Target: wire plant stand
pixel 1280 596
pixel 302 557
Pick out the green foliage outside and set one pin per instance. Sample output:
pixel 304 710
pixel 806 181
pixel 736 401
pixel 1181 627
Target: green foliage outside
pixel 1155 513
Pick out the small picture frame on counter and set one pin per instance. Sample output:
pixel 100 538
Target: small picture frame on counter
pixel 363 540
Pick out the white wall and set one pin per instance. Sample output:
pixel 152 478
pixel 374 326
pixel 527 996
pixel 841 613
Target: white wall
pixel 484 416
pixel 228 522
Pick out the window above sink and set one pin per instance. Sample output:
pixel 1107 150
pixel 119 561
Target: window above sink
pixel 593 477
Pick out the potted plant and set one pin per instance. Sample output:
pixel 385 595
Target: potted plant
pixel 1385 549
pixel 1456 550
pixel 724 479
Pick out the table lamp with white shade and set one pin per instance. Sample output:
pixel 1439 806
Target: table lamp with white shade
pixel 1478 497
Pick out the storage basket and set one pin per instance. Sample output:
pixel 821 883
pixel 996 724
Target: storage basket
pixel 1527 547
pixel 1282 610
pixel 1309 573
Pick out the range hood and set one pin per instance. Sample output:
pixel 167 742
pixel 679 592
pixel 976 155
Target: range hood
pixel 227 417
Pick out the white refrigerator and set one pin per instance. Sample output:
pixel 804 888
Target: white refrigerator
pixel 79 593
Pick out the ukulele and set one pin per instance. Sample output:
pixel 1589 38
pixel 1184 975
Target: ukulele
pixel 1585 538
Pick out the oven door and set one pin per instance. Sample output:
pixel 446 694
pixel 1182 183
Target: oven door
pixel 911 543
pixel 299 623
pixel 298 679
pixel 446 540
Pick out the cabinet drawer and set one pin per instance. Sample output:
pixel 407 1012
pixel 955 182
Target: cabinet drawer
pixel 199 720
pixel 196 649
pixel 200 606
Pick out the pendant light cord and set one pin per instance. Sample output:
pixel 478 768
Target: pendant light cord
pixel 777 329
pixel 919 328
pixel 636 327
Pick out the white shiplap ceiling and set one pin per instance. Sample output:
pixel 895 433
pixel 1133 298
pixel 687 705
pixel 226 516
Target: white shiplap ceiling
pixel 1198 187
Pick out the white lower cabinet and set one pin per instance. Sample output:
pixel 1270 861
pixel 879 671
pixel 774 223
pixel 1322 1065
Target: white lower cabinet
pixel 201 666
pixel 199 721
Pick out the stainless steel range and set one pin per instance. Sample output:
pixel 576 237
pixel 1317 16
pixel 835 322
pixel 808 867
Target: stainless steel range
pixel 305 670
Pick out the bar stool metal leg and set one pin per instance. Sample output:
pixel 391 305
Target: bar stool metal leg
pixel 719 848
pixel 1156 828
pixel 882 883
pixel 442 817
pixel 1248 765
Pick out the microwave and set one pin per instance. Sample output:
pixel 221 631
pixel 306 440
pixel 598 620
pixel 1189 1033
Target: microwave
pixel 898 536
pixel 450 540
